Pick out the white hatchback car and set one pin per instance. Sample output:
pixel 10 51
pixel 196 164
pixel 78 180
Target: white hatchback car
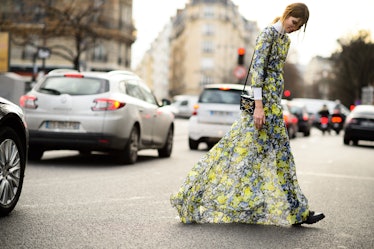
pixel 216 110
pixel 96 111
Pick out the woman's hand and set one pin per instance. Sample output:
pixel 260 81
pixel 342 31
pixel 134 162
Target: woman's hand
pixel 259 114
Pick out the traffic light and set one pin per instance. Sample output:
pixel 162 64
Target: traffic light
pixel 241 53
pixel 287 93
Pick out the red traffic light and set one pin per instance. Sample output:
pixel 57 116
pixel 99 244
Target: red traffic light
pixel 241 51
pixel 287 93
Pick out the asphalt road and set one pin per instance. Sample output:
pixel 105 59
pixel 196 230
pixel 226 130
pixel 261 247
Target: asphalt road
pixel 74 201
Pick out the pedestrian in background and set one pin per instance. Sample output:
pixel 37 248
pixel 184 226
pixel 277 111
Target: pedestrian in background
pixel 249 176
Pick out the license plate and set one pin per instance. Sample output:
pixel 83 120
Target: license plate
pixel 367 124
pixel 220 113
pixel 66 125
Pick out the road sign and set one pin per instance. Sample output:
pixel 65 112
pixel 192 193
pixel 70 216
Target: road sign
pixel 239 72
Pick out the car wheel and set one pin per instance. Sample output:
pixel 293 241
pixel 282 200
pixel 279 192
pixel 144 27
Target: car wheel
pixel 355 142
pixel 307 133
pixel 130 154
pixel 166 150
pixel 193 144
pixel 35 153
pixel 346 141
pixel 291 133
pixel 12 168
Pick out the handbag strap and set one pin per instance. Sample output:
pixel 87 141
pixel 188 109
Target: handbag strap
pixel 265 70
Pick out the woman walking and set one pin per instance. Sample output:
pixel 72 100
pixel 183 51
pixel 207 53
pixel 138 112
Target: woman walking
pixel 249 176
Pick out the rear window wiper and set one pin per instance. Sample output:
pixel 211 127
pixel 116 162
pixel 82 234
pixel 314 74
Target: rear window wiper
pixel 51 90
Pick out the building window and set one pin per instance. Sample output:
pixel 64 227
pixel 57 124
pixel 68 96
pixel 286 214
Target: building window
pixel 206 80
pixel 28 52
pixel 208 47
pixel 208 29
pixel 208 12
pixel 100 54
pixel 207 63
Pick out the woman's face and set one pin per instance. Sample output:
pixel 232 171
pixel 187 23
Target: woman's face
pixel 292 24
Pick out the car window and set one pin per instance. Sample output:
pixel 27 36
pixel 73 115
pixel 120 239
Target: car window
pixel 220 96
pixel 149 97
pixel 184 103
pixel 74 86
pixel 133 89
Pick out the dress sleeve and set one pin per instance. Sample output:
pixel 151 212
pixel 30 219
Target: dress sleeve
pixel 262 50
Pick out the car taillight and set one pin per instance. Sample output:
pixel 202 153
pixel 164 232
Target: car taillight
pixel 107 105
pixel 324 120
pixel 224 88
pixel 28 102
pixel 195 108
pixel 294 120
pixel 351 121
pixel 305 117
pixel 73 75
pixel 336 119
pixel 285 117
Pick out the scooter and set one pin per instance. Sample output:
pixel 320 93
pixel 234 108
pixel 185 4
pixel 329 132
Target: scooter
pixel 337 122
pixel 324 124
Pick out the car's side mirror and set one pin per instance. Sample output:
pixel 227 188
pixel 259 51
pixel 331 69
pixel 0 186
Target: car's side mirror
pixel 165 102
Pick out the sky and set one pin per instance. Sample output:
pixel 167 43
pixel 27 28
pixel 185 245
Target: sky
pixel 329 20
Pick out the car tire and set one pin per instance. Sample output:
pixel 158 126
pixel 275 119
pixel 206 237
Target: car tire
pixel 307 133
pixel 12 169
pixel 168 147
pixel 130 153
pixel 35 154
pixel 346 141
pixel 193 144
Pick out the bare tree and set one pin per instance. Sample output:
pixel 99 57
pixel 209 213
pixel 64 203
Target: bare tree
pixel 82 22
pixel 353 67
pixel 293 81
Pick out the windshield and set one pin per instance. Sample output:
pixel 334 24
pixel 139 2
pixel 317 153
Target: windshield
pixel 230 96
pixel 73 86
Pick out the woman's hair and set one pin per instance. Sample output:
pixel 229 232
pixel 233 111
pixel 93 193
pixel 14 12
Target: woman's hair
pixel 298 10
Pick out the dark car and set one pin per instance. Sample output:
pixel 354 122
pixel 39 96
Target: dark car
pixel 13 154
pixel 359 125
pixel 304 121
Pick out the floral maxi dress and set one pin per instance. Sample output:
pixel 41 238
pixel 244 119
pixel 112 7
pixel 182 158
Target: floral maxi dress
pixel 249 176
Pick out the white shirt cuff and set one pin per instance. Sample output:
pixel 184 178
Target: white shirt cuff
pixel 257 93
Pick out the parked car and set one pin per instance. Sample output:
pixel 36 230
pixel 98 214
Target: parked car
pixel 359 125
pixel 184 105
pixel 290 120
pixel 112 112
pixel 304 121
pixel 13 154
pixel 216 110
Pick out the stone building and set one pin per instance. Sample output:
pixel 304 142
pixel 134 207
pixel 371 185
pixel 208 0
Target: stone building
pixel 203 42
pixel 113 20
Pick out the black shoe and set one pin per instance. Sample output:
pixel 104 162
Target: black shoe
pixel 312 218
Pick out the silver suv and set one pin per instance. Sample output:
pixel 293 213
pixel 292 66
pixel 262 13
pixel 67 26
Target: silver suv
pixel 96 111
pixel 216 110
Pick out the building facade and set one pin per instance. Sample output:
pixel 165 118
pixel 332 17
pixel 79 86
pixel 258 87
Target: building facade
pixel 113 19
pixel 203 42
